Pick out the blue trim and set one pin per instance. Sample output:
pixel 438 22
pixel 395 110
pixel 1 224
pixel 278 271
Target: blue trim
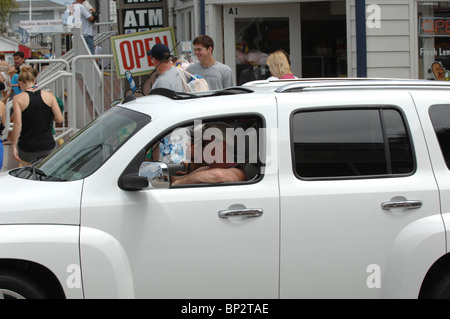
pixel 361 38
pixel 202 17
pixel 1 153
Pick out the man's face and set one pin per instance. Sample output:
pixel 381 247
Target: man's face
pixel 18 60
pixel 202 52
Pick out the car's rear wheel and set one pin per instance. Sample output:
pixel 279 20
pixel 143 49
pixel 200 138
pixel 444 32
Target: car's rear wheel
pixel 438 287
pixel 15 285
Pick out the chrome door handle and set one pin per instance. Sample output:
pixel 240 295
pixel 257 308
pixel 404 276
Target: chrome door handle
pixel 245 212
pixel 408 204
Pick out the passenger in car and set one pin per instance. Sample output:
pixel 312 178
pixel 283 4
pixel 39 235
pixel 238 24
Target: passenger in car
pixel 214 167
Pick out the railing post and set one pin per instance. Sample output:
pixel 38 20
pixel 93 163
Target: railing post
pixel 73 115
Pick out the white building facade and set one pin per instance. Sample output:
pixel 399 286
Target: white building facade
pixel 395 38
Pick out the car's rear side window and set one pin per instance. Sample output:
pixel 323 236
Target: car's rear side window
pixel 440 117
pixel 350 143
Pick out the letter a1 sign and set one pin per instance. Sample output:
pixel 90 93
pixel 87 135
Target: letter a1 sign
pixel 130 50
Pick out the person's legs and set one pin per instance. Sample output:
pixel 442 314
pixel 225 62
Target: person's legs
pixel 90 42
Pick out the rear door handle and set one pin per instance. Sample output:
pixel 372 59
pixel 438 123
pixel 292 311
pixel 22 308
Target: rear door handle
pixel 407 204
pixel 245 212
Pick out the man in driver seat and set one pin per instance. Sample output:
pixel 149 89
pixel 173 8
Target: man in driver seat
pixel 213 147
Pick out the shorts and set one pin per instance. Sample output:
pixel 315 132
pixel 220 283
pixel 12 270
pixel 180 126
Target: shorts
pixel 32 156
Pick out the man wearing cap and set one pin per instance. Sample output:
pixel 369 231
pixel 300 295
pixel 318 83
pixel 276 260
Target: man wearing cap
pixel 169 77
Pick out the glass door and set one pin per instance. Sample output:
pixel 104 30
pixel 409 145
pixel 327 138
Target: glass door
pixel 324 39
pixel 255 31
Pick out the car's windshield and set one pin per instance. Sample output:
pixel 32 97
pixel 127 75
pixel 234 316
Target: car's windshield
pixel 93 145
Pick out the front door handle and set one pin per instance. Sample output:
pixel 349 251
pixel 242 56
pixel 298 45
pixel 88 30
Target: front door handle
pixel 245 212
pixel 406 204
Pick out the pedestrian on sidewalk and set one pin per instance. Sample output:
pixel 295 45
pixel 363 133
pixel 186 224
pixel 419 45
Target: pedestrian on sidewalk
pixel 2 127
pixel 169 77
pixel 279 66
pixel 87 24
pixel 34 110
pixel 218 75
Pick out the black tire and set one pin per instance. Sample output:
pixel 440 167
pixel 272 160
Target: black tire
pixel 15 285
pixel 438 288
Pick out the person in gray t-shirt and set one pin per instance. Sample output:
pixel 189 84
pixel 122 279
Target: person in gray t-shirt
pixel 218 75
pixel 169 77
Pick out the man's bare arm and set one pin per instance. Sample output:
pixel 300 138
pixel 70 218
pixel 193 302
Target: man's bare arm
pixel 211 175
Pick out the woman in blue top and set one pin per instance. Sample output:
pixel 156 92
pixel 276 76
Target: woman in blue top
pixel 13 73
pixel 15 81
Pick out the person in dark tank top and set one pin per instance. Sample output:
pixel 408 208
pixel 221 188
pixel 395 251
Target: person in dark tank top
pixel 34 111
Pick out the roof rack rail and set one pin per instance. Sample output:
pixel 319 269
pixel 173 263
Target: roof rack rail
pixel 195 95
pixel 358 83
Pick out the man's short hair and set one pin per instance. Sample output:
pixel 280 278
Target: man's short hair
pixel 19 53
pixel 204 40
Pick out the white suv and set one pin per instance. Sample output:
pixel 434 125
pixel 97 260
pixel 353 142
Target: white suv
pixel 346 195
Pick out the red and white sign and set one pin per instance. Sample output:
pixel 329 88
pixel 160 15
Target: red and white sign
pixel 130 50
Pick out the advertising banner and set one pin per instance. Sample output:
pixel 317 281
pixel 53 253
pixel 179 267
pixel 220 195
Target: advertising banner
pixel 130 50
pixel 42 26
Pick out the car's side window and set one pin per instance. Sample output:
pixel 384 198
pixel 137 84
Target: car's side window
pixel 212 151
pixel 351 143
pixel 440 117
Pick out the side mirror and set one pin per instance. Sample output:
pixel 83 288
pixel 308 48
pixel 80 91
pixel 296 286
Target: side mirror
pixel 133 182
pixel 156 173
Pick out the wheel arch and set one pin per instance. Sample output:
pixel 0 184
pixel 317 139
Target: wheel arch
pixel 43 276
pixel 44 251
pixel 436 271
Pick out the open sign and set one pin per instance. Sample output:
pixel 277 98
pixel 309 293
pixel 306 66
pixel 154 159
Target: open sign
pixel 130 50
pixel 433 26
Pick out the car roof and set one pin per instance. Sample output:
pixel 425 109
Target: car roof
pixel 163 101
pixel 300 85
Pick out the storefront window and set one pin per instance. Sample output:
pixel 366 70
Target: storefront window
pixel 313 34
pixel 256 38
pixel 324 44
pixel 434 40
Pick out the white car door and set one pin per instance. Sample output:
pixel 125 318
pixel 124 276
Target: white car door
pixel 340 179
pixel 435 116
pixel 176 244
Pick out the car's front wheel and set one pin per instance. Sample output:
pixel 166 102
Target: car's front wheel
pixel 15 285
